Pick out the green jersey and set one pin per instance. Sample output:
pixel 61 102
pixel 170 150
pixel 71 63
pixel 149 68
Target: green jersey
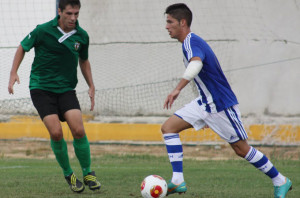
pixel 56 56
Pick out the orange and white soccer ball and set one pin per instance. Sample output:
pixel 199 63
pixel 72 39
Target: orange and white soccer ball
pixel 154 186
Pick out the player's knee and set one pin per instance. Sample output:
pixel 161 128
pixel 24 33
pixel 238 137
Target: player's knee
pixel 78 133
pixel 241 148
pixel 240 153
pixel 164 129
pixel 56 135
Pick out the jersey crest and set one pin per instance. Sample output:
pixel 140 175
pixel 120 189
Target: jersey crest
pixel 76 45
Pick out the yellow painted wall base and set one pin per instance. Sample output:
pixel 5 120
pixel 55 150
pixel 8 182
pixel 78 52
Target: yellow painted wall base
pixel 34 128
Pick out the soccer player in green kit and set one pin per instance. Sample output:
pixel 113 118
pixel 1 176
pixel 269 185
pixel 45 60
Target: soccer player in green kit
pixel 59 45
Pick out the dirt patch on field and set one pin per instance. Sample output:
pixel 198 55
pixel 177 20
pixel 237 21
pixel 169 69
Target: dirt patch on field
pixel 42 149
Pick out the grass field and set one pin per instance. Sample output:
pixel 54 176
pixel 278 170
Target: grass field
pixel 121 176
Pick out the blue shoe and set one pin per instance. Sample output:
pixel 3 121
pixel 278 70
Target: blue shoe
pixel 173 188
pixel 280 191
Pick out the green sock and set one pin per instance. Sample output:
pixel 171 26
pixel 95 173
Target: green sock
pixel 60 150
pixel 83 153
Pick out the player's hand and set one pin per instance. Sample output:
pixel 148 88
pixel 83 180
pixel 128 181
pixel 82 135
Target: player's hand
pixel 12 80
pixel 92 97
pixel 171 98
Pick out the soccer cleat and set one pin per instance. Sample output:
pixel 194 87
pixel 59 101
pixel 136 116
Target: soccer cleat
pixel 91 180
pixel 173 188
pixel 281 191
pixel 74 183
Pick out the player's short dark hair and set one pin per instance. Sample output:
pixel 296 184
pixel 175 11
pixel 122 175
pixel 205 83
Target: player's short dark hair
pixel 63 3
pixel 180 11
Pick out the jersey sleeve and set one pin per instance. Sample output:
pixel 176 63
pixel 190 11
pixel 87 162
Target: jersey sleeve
pixel 84 52
pixel 30 40
pixel 192 48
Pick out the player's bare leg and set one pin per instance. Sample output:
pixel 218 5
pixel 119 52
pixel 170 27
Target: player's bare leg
pixel 53 126
pixel 174 125
pixel 241 148
pixel 74 119
pixel 170 130
pixel 281 184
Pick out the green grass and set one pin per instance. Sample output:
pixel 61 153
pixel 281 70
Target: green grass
pixel 121 176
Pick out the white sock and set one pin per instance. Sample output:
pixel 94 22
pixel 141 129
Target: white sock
pixel 177 178
pixel 279 180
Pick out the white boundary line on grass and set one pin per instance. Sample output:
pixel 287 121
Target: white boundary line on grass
pixel 10 167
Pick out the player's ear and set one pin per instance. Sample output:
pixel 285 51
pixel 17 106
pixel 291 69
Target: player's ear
pixel 59 11
pixel 182 22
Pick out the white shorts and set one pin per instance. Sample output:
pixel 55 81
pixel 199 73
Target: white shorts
pixel 227 123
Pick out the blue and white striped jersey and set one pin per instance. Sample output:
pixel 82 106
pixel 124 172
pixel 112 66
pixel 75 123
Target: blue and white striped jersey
pixel 215 93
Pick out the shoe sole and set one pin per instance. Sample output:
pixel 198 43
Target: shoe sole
pixel 92 188
pixel 176 193
pixel 80 191
pixel 97 188
pixel 180 193
pixel 291 187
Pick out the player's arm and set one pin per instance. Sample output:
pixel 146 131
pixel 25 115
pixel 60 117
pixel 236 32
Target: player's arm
pixel 20 53
pixel 190 73
pixel 86 70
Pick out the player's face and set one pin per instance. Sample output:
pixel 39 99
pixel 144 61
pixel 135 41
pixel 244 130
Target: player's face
pixel 173 27
pixel 68 17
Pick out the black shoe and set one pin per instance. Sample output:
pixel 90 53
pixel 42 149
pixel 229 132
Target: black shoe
pixel 74 183
pixel 91 180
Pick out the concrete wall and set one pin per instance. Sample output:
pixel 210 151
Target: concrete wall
pixel 261 58
pixel 257 43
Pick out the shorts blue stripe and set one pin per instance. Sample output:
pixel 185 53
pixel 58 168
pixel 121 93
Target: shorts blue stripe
pixel 178 115
pixel 236 123
pixel 239 123
pixel 233 124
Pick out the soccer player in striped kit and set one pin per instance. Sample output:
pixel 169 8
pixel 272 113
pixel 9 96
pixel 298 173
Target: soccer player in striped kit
pixel 216 106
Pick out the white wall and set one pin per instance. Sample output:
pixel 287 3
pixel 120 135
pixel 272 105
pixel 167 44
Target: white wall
pixel 259 48
pixel 262 63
